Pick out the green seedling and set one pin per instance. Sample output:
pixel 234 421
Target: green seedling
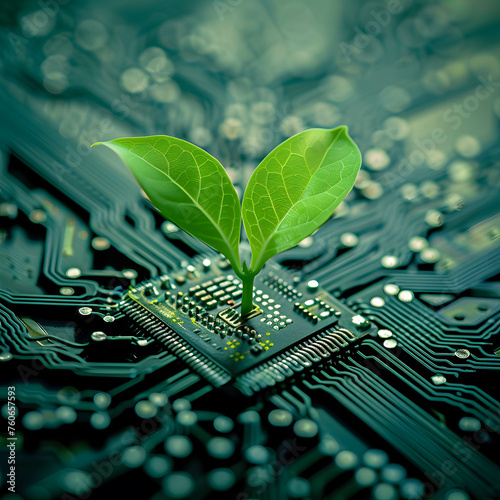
pixel 292 192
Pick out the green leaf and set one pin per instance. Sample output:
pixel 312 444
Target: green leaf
pixel 188 186
pixel 296 188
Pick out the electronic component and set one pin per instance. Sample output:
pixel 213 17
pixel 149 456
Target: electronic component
pixel 197 312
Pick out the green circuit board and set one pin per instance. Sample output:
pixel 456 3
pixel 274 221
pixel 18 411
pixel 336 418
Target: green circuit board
pixel 369 366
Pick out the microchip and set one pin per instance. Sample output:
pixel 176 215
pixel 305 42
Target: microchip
pixel 300 323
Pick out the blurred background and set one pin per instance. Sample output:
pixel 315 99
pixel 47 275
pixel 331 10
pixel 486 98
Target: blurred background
pixel 236 77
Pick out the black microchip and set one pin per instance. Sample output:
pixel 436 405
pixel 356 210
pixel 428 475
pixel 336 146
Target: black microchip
pixel 287 315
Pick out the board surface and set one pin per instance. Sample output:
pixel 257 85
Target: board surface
pixel 370 366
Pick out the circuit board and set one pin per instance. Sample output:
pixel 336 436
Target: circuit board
pixel 369 366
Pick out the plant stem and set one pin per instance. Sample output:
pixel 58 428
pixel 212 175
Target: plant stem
pixel 247 297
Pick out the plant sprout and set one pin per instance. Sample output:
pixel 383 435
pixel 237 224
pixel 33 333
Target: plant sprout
pixel 291 193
